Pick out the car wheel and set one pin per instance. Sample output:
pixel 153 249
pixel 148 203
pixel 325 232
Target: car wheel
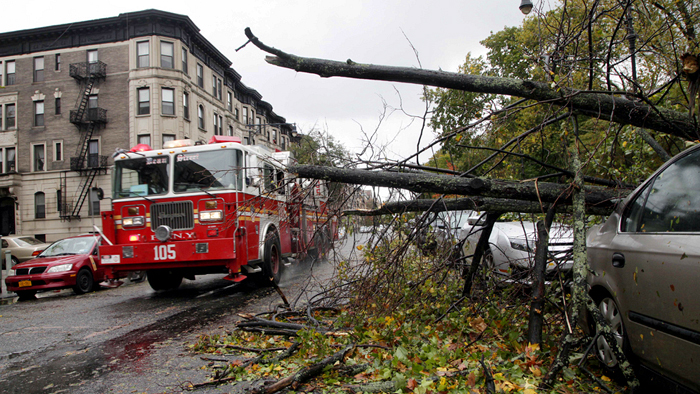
pixel 611 314
pixel 25 295
pixel 272 261
pixel 84 281
pixel 163 279
pixel 15 261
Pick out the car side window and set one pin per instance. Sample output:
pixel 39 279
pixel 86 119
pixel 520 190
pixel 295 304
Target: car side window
pixel 4 244
pixel 671 203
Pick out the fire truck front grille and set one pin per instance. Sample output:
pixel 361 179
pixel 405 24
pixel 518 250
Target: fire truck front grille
pixel 178 215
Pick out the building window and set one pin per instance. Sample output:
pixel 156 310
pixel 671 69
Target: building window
pixel 93 154
pixel 10 73
pixel 9 116
pixel 235 113
pixel 274 136
pixel 38 151
pixel 39 205
pixel 10 165
pixel 142 54
pixel 58 62
pixel 200 76
pixel 220 90
pixel 144 101
pixel 283 143
pixel 166 54
pixel 144 139
pixel 184 60
pixel 168 138
pixel 245 115
pixel 168 101
pixel 94 207
pixel 217 127
pixel 38 113
pixel 39 69
pixel 246 141
pixel 93 59
pixel 59 200
pixel 186 105
pixel 92 56
pixel 213 85
pixel 57 106
pixel 200 115
pixel 92 101
pixel 58 151
pixel 230 131
pixel 229 97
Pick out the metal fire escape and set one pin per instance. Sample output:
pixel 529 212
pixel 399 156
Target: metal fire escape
pixel 87 118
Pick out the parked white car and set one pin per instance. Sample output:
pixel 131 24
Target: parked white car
pixel 511 250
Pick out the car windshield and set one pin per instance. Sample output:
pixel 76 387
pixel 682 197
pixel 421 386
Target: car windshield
pixel 220 169
pixel 27 241
pixel 140 177
pixel 68 246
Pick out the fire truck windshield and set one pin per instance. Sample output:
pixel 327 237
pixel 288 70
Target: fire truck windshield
pixel 141 177
pixel 218 169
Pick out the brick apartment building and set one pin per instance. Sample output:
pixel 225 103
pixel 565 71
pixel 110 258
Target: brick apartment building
pixel 70 95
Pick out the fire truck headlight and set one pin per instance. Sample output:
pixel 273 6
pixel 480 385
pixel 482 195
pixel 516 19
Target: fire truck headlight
pixel 133 221
pixel 163 233
pixel 210 216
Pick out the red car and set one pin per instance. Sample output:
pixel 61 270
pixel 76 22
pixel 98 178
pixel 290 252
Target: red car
pixel 71 262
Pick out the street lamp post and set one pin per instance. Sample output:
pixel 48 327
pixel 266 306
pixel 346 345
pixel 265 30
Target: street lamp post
pixel 525 6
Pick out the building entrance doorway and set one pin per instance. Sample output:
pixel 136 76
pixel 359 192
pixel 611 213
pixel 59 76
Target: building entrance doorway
pixel 7 215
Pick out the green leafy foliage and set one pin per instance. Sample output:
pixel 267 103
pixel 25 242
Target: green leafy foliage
pixel 411 334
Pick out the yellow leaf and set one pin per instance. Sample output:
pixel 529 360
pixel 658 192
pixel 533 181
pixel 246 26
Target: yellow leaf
pixel 605 378
pixel 529 391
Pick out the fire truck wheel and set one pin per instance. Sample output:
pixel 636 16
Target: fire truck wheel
pixel 272 260
pixel 163 279
pixel 83 281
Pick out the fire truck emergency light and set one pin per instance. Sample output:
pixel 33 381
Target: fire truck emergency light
pixel 178 143
pixel 140 148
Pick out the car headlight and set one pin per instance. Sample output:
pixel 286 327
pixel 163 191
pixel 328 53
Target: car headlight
pixel 521 244
pixel 12 272
pixel 59 268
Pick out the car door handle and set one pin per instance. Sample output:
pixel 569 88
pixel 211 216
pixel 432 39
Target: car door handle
pixel 618 260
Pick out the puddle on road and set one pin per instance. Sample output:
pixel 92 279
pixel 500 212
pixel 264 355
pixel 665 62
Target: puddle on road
pixel 73 366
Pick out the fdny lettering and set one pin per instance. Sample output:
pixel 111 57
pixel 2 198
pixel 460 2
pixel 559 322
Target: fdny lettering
pixel 181 235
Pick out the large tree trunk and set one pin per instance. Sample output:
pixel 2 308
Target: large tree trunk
pixel 469 203
pixel 443 184
pixel 534 329
pixel 609 106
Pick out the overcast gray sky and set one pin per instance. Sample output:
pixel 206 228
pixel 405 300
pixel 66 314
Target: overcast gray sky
pixel 366 31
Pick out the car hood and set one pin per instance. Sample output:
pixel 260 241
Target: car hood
pixel 44 261
pixel 526 229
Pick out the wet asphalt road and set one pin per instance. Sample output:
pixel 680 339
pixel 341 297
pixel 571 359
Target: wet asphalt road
pixel 129 339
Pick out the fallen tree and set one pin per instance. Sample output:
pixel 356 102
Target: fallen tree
pixel 467 203
pixel 610 105
pixel 601 199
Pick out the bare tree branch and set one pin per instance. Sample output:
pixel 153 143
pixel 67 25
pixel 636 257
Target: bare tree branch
pixel 610 105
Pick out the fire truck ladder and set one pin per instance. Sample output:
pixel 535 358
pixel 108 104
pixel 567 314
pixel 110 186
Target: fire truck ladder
pixel 87 119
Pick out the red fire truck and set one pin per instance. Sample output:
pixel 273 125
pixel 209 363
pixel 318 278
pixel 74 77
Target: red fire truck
pixel 220 207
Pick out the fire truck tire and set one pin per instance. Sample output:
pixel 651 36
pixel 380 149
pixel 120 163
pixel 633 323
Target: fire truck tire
pixel 84 281
pixel 272 260
pixel 163 279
